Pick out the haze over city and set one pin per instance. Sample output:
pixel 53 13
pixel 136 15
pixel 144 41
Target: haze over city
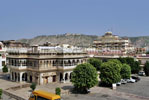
pixel 30 18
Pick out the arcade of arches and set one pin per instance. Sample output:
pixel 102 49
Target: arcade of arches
pixel 42 78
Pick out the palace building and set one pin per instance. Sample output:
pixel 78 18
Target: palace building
pixel 2 56
pixel 44 64
pixel 110 44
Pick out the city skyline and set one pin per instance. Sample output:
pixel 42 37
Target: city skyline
pixel 28 19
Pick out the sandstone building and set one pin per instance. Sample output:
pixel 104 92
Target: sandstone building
pixel 110 44
pixel 44 64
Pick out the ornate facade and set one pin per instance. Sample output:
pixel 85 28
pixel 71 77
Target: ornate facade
pixel 110 44
pixel 44 64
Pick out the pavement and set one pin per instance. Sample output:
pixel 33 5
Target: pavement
pixel 129 91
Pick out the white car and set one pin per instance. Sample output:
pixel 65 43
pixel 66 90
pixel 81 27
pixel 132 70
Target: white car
pixel 131 80
pixel 123 81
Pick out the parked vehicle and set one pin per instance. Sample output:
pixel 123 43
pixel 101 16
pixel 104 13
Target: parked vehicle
pixel 141 73
pixel 123 81
pixel 118 83
pixel 43 95
pixel 131 80
pixel 137 78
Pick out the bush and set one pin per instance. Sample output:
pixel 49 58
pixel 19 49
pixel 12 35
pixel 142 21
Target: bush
pixel 95 62
pixel 135 65
pixel 33 86
pixel 84 76
pixel 110 73
pixel 5 69
pixel 1 93
pixel 58 91
pixel 125 71
pixel 146 68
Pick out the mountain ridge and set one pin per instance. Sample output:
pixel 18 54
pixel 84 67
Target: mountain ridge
pixel 79 40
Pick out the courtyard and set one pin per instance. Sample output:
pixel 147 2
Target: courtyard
pixel 129 91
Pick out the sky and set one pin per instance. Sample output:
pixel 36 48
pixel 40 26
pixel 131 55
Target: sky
pixel 30 18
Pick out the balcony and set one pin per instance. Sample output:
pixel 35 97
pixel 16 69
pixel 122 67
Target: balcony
pixel 65 67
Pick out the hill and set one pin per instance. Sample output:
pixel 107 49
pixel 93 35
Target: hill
pixel 79 40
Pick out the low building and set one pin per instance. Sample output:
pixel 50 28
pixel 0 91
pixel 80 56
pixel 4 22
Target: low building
pixel 44 64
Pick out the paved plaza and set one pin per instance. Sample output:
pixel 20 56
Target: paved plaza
pixel 129 91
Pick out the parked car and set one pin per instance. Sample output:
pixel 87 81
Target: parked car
pixel 118 83
pixel 141 73
pixel 131 80
pixel 123 81
pixel 137 78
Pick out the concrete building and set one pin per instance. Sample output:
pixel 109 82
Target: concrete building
pixel 44 64
pixel 2 56
pixel 109 44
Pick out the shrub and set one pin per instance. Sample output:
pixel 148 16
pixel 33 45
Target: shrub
pixel 1 93
pixel 84 76
pixel 33 86
pixel 146 68
pixel 5 69
pixel 58 91
pixel 125 71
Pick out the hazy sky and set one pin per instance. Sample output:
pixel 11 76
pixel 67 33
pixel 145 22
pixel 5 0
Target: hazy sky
pixel 30 18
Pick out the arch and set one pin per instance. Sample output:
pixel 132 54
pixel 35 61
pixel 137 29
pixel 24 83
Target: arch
pixel 30 78
pixel 70 75
pixel 24 77
pixel 61 77
pixel 15 76
pixel 66 76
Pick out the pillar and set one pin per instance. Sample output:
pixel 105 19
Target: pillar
pixel 21 76
pixel 63 77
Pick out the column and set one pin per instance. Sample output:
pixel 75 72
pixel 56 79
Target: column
pixel 68 76
pixel 21 76
pixel 41 79
pixel 63 77
pixel 10 75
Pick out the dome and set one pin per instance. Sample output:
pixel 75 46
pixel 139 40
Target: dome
pixel 108 33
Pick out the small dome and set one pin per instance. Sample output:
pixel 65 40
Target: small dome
pixel 108 33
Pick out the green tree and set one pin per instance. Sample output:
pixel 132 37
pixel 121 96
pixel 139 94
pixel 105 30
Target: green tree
pixel 95 62
pixel 146 68
pixel 122 60
pixel 58 91
pixel 135 65
pixel 125 71
pixel 84 76
pixel 1 93
pixel 5 69
pixel 116 61
pixel 147 52
pixel 33 86
pixel 110 73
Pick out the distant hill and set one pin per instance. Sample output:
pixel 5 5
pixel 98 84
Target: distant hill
pixel 79 40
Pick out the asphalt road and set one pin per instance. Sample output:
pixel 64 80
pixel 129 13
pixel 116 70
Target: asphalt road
pixel 140 88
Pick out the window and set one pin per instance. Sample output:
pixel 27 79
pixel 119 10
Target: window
pixel 3 63
pixel 41 98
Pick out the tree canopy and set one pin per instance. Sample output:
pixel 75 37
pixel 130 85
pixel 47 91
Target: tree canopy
pixel 125 71
pixel 110 72
pixel 135 65
pixel 146 68
pixel 95 62
pixel 84 76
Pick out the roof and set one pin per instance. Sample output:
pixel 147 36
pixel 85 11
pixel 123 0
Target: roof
pixel 46 94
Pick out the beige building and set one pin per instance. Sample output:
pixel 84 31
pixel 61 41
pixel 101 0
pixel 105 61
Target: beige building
pixel 2 56
pixel 44 64
pixel 109 44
